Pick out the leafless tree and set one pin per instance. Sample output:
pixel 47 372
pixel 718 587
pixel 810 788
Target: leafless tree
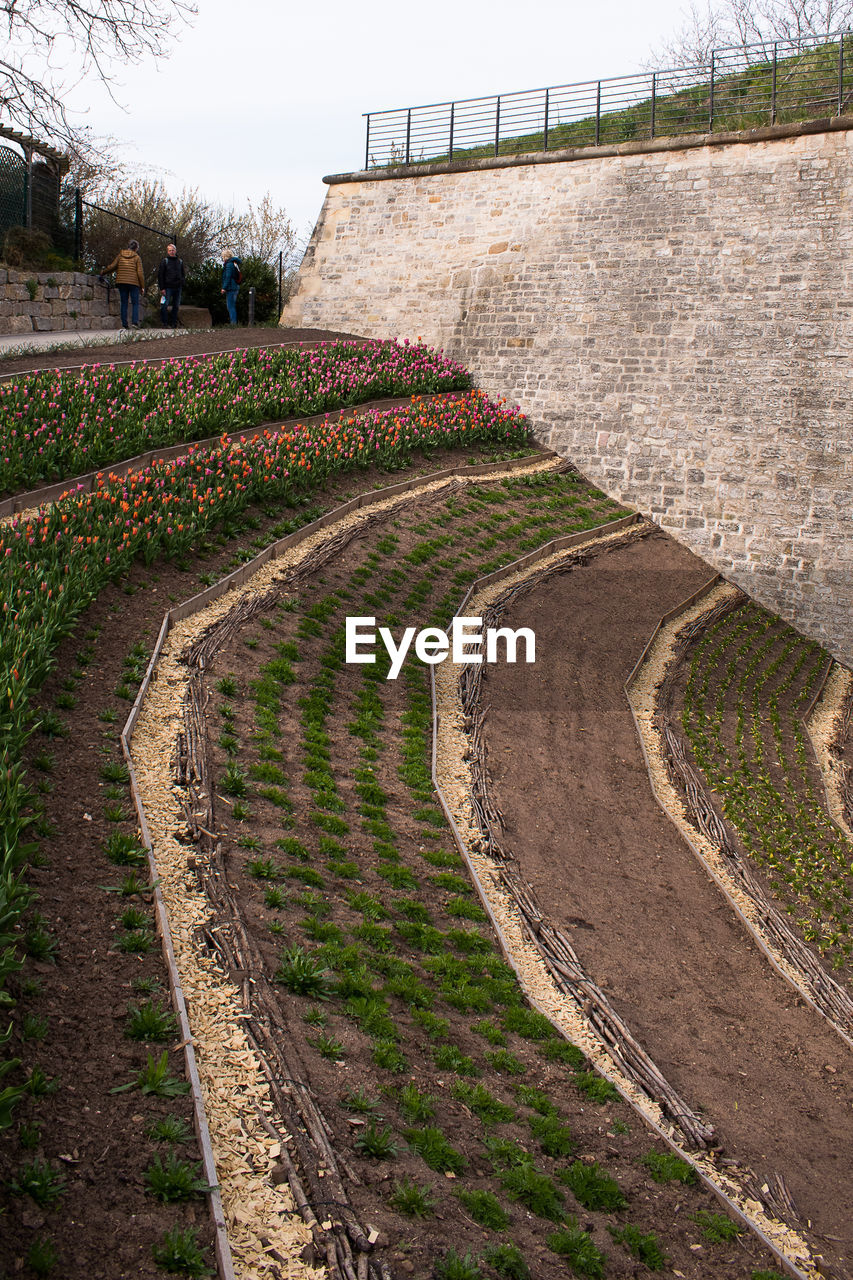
pixel 746 23
pixel 198 226
pixel 51 44
pixel 264 232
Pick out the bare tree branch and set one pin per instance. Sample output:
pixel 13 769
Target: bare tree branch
pixel 746 23
pixel 83 38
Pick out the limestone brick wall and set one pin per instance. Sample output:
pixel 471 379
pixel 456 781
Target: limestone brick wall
pixel 675 321
pixel 44 301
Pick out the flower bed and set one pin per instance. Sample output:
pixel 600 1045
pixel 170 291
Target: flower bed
pixel 61 423
pixel 54 563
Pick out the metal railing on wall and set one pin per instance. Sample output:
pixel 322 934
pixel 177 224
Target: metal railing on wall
pixel 740 87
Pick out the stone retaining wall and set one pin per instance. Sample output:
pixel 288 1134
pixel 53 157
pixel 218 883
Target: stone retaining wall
pixel 55 300
pixel 675 318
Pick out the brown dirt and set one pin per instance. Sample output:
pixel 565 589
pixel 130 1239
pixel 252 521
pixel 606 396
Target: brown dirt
pixel 190 343
pixel 645 919
pixel 610 1135
pixel 105 1224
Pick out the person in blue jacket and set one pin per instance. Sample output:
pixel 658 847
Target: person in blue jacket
pixel 231 277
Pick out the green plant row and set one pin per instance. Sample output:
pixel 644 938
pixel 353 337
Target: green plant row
pixel 751 747
pixel 364 954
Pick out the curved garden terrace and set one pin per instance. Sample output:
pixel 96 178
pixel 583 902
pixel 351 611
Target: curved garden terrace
pixel 332 902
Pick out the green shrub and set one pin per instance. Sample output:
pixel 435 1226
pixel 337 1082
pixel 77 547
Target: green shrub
pixel 485 1208
pixel 387 1055
pixel 303 975
pixel 452 1267
pixel 434 1149
pixel 579 1249
pixel 482 1103
pixel 359 1101
pixel 375 1142
pixel 536 1099
pixel 505 1062
pixel 42 1256
pixel 536 1191
pixel 416 1107
pixel 150 1022
pixel 412 1200
pixel 489 1031
pixel 596 1088
pixel 528 1024
pixel 507 1261
pixel 178 1252
pixel 646 1249
pixel 448 1057
pixel 175 1179
pixel 506 1154
pixel 592 1187
pixel 666 1166
pixel 554 1137
pixel 562 1051
pixel 39 1181
pixel 716 1227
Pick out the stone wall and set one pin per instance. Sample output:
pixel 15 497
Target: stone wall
pixel 675 318
pixel 43 301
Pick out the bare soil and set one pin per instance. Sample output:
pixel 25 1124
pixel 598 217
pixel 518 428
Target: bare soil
pixel 571 781
pixel 366 575
pixel 649 925
pixel 188 343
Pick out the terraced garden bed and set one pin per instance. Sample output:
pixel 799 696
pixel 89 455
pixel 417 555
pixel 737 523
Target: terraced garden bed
pixel 338 887
pixel 738 700
pixel 464 1132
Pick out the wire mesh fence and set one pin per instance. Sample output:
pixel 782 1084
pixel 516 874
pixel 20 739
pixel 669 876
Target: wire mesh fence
pixel 740 87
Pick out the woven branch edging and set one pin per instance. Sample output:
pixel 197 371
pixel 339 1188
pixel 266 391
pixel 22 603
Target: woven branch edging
pixel 788 955
pixel 264 1026
pixel 194 605
pixel 86 483
pixel 683 1152
pixel 552 943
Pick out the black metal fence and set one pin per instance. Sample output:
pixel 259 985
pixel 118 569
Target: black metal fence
pixel 739 88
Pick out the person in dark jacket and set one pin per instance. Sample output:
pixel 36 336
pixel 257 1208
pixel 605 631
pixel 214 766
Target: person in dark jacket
pixel 171 275
pixel 130 279
pixel 231 283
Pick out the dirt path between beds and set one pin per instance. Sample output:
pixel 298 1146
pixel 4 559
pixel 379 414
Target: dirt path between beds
pixel 646 920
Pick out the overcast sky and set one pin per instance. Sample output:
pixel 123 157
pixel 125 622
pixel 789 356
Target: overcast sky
pixel 265 96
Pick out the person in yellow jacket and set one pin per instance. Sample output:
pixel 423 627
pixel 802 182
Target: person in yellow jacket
pixel 130 279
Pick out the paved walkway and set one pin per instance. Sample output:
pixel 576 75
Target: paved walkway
pixel 22 344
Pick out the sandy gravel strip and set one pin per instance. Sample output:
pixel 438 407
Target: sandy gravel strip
pixel 453 776
pixel 265 1231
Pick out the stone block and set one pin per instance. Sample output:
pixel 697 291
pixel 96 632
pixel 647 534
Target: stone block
pixel 195 318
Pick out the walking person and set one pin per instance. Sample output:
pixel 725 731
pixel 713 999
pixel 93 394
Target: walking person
pixel 130 279
pixel 231 277
pixel 171 275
